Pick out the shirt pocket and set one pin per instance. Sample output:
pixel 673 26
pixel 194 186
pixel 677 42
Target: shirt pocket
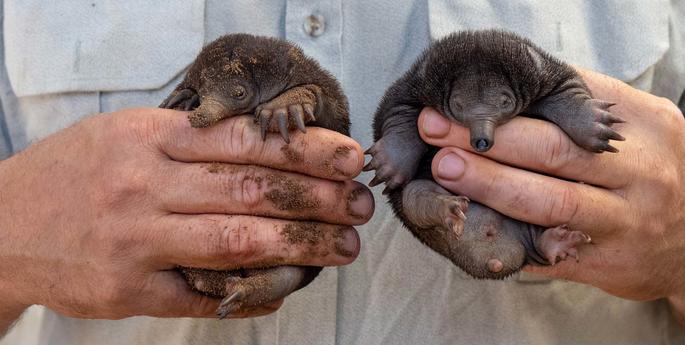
pixel 76 46
pixel 620 38
pixel 62 56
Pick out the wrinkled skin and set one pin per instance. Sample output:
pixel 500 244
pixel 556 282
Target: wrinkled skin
pixel 285 90
pixel 481 80
pixel 113 204
pixel 481 102
pixel 631 203
pixel 271 78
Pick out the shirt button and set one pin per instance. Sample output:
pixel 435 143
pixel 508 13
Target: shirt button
pixel 314 25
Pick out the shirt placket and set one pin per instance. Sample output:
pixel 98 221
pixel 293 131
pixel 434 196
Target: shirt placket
pixel 316 27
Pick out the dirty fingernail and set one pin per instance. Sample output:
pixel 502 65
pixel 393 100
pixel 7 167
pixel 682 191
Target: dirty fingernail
pixel 451 167
pixel 435 125
pixel 346 160
pixel 348 245
pixel 360 203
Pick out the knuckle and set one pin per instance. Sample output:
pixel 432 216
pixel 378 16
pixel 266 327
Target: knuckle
pixel 240 243
pixel 241 139
pixel 556 152
pixel 669 178
pixel 561 205
pixel 491 187
pixel 668 112
pixel 250 187
pixel 664 183
pixel 138 123
pixel 656 230
pixel 243 184
pixel 122 185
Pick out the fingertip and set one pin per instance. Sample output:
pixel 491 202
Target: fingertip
pixel 432 124
pixel 353 157
pixel 333 155
pixel 360 203
pixel 341 247
pixel 348 246
pixel 357 244
pixel 318 244
pixel 449 165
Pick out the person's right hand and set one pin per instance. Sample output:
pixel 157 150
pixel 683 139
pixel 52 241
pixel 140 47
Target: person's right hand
pixel 95 218
pixel 631 203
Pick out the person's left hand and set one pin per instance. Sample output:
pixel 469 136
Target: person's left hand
pixel 631 203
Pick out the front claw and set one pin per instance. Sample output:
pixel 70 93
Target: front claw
pixel 290 110
pixel 235 298
pixel 263 286
pixel 283 119
pixel 184 99
pixel 596 133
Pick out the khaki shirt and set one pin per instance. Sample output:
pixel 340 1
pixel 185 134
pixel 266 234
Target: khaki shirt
pixel 65 60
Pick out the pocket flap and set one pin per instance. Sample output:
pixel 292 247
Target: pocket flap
pixel 63 46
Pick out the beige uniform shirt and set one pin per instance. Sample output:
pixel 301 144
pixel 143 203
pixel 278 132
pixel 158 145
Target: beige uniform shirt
pixel 64 60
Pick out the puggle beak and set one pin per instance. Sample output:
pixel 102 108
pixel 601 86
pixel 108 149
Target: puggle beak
pixel 482 135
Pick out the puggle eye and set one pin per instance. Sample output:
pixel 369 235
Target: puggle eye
pixel 504 101
pixel 238 92
pixel 457 104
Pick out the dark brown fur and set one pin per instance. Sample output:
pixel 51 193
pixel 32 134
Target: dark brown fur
pixel 272 79
pixel 266 68
pixel 480 79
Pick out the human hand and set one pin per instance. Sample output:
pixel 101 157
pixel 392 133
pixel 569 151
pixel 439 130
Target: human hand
pixel 631 203
pixel 97 217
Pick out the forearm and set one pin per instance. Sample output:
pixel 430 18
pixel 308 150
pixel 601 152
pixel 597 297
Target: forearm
pixel 8 315
pixel 677 304
pixel 9 312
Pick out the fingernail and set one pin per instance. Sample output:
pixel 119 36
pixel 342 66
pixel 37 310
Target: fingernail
pixel 360 203
pixel 435 125
pixel 451 167
pixel 349 244
pixel 346 160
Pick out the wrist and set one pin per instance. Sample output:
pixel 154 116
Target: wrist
pixel 677 304
pixel 10 305
pixel 10 308
pixel 11 311
pixel 8 315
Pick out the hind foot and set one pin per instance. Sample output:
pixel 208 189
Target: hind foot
pixel 291 109
pixel 450 212
pixel 556 244
pixel 429 206
pixel 249 288
pixel 487 245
